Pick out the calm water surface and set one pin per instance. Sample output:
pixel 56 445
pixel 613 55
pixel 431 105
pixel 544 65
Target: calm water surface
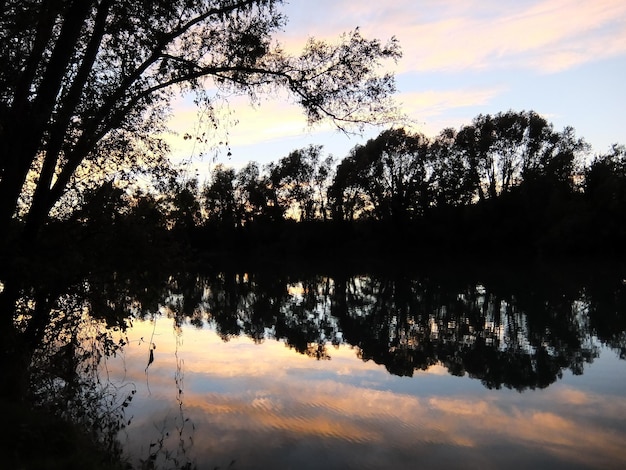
pixel 364 372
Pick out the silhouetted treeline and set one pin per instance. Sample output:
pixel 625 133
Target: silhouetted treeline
pixel 507 184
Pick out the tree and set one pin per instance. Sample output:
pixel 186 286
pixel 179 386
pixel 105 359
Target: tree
pixel 605 193
pixel 605 178
pixel 505 149
pixel 85 84
pixel 393 174
pixel 253 194
pixel 452 173
pixel 219 197
pixel 300 180
pixel 347 200
pixel 184 208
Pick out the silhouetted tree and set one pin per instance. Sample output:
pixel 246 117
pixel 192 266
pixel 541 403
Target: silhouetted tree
pixel 252 192
pixel 605 179
pixel 299 182
pixel 605 194
pixel 86 84
pixel 184 204
pixel 219 198
pixel 290 179
pixel 392 173
pixel 85 89
pixel 452 173
pixel 505 149
pixel 322 179
pixel 346 198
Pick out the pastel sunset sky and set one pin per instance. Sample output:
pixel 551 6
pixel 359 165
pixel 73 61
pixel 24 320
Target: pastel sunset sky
pixel 565 59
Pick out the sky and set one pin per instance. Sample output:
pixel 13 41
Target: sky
pixel 565 59
pixel 237 394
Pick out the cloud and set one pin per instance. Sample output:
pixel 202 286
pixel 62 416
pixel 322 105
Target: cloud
pixel 435 102
pixel 277 120
pixel 429 107
pixel 234 392
pixel 548 35
pixel 486 42
pixel 241 120
pixel 482 38
pixel 241 125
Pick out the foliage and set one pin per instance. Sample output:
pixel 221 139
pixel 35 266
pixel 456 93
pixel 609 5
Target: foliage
pixel 605 194
pixel 528 192
pixel 74 413
pixel 93 81
pixel 219 196
pixel 298 183
pixel 516 328
pixel 401 197
pixel 390 174
pixel 520 327
pixel 503 150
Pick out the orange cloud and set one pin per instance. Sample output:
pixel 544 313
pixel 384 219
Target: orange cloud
pixel 241 123
pixel 347 399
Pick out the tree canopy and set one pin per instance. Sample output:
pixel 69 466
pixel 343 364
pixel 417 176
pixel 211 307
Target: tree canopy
pixel 390 175
pixel 504 149
pixel 86 85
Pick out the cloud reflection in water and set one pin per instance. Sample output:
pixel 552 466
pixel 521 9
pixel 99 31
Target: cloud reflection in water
pixel 266 406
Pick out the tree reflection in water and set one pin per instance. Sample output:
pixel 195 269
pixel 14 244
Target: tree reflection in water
pixel 518 340
pixel 518 332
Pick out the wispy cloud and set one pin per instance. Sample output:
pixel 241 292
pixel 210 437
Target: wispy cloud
pixel 432 106
pixel 546 35
pixel 434 102
pixel 240 124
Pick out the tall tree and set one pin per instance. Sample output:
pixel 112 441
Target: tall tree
pixel 505 149
pixel 85 89
pixel 300 180
pixel 393 173
pixel 86 83
pixel 219 197
pixel 184 209
pixel 452 173
pixel 605 193
pixel 253 194
pixel 605 178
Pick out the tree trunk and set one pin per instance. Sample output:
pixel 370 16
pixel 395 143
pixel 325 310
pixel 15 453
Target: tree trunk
pixel 15 357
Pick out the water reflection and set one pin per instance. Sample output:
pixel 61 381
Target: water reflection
pixel 266 407
pixel 277 370
pixel 519 340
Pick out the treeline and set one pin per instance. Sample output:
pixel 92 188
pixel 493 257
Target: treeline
pixel 506 184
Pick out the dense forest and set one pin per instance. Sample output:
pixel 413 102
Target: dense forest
pixel 505 185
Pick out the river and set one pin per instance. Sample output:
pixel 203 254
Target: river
pixel 253 371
